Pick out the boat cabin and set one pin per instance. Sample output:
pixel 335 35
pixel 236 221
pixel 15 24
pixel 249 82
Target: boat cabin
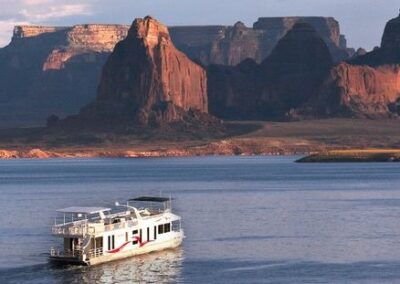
pixel 93 235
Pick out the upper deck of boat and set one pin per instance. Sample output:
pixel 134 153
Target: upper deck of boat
pixel 82 220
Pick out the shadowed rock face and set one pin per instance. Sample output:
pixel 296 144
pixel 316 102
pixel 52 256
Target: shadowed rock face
pixel 234 92
pixel 295 70
pixel 227 45
pixel 56 70
pixel 368 85
pixel 147 80
pixel 287 79
pixel 389 52
pixel 326 27
pixel 48 70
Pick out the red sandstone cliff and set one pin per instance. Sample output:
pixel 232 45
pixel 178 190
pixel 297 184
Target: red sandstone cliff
pixel 147 80
pixel 46 70
pixel 286 80
pixel 368 85
pixel 361 91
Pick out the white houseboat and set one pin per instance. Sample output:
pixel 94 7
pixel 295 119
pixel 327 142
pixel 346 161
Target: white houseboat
pixel 94 235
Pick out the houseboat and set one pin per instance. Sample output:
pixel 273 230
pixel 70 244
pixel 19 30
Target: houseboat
pixel 94 235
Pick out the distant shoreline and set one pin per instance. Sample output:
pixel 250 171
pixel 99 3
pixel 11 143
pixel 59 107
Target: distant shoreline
pixel 314 138
pixel 353 156
pixel 327 156
pixel 200 151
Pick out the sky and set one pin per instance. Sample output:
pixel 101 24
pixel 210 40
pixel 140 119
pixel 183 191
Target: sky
pixel 362 21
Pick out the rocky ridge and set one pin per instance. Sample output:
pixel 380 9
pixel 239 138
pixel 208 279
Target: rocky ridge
pixel 56 70
pixel 369 85
pixel 48 70
pixel 230 45
pixel 286 80
pixel 146 81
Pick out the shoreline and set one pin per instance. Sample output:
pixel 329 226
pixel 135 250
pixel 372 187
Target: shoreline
pixel 37 153
pixel 313 138
pixel 353 156
pixel 314 154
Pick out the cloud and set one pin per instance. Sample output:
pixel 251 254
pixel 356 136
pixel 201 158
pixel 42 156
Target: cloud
pixel 6 30
pixel 40 12
pixel 35 2
pixel 56 12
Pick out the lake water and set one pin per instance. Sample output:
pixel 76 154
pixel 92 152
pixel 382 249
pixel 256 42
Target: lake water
pixel 246 219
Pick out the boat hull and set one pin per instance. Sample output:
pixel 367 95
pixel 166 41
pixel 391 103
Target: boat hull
pixel 149 247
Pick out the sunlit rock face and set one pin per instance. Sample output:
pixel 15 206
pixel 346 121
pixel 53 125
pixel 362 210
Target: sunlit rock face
pixel 147 80
pixel 361 91
pixel 369 85
pixel 56 70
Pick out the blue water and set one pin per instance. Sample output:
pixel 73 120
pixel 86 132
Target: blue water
pixel 246 219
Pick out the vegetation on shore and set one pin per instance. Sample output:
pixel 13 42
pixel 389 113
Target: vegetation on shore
pixel 354 155
pixel 240 138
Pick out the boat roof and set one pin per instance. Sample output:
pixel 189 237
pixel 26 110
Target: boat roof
pixel 150 199
pixel 83 210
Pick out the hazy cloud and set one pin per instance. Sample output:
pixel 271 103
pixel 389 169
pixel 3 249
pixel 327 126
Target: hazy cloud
pixel 6 29
pixel 36 2
pixel 15 12
pixel 56 12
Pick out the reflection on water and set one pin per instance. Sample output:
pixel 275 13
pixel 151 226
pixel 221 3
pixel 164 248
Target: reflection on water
pixel 158 267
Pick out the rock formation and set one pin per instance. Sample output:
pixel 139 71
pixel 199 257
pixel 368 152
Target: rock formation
pixel 234 91
pixel 361 91
pixel 56 70
pixel 295 70
pixel 327 28
pixel 286 80
pixel 48 70
pixel 368 85
pixel 227 45
pixel 147 81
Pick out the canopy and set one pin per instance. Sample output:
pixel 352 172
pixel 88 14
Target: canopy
pixel 150 199
pixel 83 210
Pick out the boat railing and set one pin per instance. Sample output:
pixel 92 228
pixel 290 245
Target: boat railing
pixel 57 252
pixel 81 229
pixel 116 226
pixel 70 230
pixel 95 252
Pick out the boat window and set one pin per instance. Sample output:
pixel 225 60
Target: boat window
pixel 109 242
pixel 148 234
pixel 167 227
pixel 134 233
pixel 155 232
pixel 176 225
pixel 160 229
pixel 140 234
pixel 126 236
pixel 113 242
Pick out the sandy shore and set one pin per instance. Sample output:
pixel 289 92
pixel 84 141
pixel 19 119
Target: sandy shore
pixel 355 155
pixel 255 138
